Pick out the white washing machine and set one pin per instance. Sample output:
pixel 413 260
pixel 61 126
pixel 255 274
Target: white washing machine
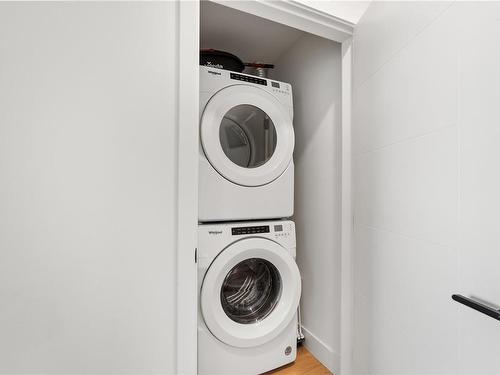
pixel 246 147
pixel 249 290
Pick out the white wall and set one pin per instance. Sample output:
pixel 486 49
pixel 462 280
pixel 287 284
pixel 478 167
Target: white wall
pixel 313 66
pixel 426 149
pixel 88 187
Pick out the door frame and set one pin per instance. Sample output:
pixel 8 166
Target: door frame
pixel 290 13
pixel 187 86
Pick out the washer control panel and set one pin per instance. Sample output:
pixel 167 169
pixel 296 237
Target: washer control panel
pixel 282 230
pixel 276 230
pixel 238 231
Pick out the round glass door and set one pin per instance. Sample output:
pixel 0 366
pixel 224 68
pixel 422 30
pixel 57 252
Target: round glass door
pixel 250 291
pixel 247 136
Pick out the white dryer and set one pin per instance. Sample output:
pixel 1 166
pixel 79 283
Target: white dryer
pixel 246 147
pixel 249 290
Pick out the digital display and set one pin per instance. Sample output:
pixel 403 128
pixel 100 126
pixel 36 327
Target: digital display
pixel 241 77
pixel 250 230
pixel 275 84
pixel 278 228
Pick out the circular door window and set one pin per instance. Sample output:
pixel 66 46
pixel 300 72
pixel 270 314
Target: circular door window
pixel 250 291
pixel 247 136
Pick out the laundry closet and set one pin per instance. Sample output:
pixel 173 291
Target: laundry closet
pixel 312 65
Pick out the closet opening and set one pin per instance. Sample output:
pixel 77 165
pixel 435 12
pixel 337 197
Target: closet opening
pixel 311 65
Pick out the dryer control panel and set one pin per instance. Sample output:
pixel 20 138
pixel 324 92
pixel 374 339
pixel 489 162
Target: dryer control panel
pixel 246 78
pixel 276 87
pixel 212 80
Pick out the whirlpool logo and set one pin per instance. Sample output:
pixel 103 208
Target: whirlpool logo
pixel 215 66
pixel 215 232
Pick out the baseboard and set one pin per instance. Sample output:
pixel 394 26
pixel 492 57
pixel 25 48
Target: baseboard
pixel 323 353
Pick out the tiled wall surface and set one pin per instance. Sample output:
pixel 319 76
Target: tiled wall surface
pixel 426 150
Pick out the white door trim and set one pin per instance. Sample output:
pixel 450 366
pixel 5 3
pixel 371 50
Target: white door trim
pixel 297 15
pixel 346 290
pixel 187 83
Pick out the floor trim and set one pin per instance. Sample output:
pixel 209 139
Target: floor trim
pixel 325 354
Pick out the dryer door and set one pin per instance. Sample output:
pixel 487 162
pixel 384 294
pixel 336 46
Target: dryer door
pixel 250 292
pixel 247 135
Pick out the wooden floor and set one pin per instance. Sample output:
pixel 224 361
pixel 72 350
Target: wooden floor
pixel 305 364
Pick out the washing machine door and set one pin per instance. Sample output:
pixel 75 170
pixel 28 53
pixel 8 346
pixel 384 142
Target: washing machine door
pixel 247 135
pixel 250 292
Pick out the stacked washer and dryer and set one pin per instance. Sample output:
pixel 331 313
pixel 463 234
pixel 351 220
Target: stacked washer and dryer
pixel 248 282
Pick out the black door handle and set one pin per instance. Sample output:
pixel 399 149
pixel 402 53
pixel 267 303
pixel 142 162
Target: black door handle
pixel 478 306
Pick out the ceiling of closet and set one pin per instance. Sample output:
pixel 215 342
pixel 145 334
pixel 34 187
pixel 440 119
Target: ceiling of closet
pixel 249 37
